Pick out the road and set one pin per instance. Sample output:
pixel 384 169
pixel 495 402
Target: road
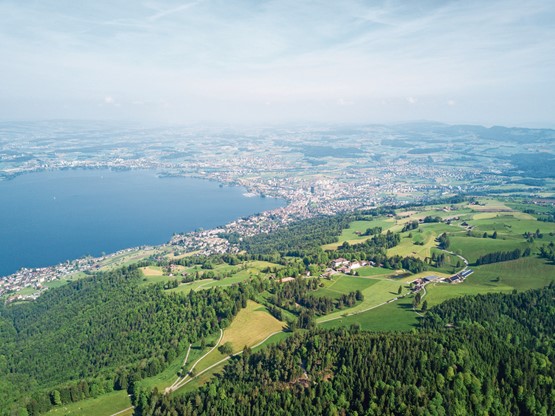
pixel 180 380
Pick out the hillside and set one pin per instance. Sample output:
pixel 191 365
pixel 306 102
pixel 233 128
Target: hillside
pixel 475 368
pixel 170 323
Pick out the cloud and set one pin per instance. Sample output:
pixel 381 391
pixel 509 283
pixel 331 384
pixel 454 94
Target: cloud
pixel 167 12
pixel 110 101
pixel 206 58
pixel 343 102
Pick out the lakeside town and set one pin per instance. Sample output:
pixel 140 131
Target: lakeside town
pixel 316 171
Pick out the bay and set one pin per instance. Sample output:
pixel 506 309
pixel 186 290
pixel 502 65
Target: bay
pixel 52 216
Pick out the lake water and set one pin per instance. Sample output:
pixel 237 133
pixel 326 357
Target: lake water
pixel 50 217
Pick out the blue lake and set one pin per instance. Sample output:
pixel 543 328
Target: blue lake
pixel 50 217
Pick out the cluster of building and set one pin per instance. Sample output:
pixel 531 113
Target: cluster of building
pixel 418 284
pixel 345 266
pixel 37 277
pixel 203 242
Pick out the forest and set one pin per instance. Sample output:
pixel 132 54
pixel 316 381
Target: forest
pixel 473 355
pixel 300 238
pixel 114 332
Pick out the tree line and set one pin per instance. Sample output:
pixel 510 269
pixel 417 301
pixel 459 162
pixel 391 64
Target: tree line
pixel 499 256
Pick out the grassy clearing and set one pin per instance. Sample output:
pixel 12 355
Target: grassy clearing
pixel 127 258
pixel 253 268
pixel 397 316
pixel 251 325
pixel 200 380
pixel 490 205
pixel 151 271
pixel 407 248
pixel 343 285
pixel 352 234
pixel 27 291
pixel 380 292
pixel 205 377
pixel 508 225
pixel 172 255
pixel 471 247
pixel 522 274
pixel 104 405
pixel 425 235
pixel 516 215
pixel 56 283
pixel 187 287
pixel 368 271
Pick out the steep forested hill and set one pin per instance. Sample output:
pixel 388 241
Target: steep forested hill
pixel 101 333
pixel 447 370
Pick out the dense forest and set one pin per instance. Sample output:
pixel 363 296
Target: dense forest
pixel 300 238
pixel 489 354
pixel 99 334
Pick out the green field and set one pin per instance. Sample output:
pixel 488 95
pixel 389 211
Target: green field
pixel 426 234
pixel 241 273
pixel 368 271
pixel 170 374
pixel 251 326
pixel 395 316
pixel 381 291
pixel 509 225
pixel 522 274
pixel 352 234
pixel 104 405
pixel 343 285
pixel 472 247
pixel 196 285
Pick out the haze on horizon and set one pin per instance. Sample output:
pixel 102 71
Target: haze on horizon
pixel 279 61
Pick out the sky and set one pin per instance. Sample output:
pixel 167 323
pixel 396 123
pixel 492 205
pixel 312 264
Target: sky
pixel 483 62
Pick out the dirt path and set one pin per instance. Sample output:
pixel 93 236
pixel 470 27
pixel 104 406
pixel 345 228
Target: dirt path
pixel 122 411
pixel 184 382
pixel 180 380
pixel 183 365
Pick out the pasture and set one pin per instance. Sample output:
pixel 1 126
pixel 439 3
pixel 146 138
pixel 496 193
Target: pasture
pixel 251 326
pixel 473 247
pixel 395 316
pixel 353 234
pixel 105 405
pixel 380 292
pixel 343 284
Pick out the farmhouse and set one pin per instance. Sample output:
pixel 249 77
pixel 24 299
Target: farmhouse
pixel 339 262
pixel 466 273
pixel 459 277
